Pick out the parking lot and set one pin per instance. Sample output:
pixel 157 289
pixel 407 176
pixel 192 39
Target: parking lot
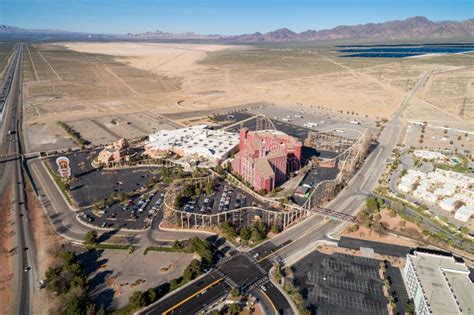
pixel 340 284
pixel 312 178
pixel 92 185
pixel 135 213
pixel 224 197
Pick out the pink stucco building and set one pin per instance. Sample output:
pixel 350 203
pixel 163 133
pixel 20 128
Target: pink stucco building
pixel 265 158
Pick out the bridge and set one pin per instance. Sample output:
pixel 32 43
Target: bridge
pixel 335 215
pixel 9 157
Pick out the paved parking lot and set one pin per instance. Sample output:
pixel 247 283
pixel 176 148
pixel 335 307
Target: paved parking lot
pixel 340 284
pixel 93 185
pixel 224 197
pixel 137 213
pixel 313 177
pixel 321 120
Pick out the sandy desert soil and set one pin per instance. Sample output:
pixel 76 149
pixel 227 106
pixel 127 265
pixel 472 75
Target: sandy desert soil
pixel 6 274
pixel 47 243
pixel 83 81
pixel 169 59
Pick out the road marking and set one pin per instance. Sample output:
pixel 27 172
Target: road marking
pixel 191 296
pixel 368 175
pixel 275 311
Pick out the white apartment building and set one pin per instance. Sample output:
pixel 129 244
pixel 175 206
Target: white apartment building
pixel 438 284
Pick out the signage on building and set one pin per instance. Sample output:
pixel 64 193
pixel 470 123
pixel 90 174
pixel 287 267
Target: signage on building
pixel 64 169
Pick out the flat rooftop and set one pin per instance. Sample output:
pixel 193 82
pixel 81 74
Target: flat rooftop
pixel 438 275
pixel 197 139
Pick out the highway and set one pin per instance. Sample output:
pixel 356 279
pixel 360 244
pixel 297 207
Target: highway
pixel 11 172
pixel 299 240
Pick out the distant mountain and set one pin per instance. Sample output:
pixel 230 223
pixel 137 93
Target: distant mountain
pixel 418 28
pixel 411 28
pixel 165 35
pixel 6 29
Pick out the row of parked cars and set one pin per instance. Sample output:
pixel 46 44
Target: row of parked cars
pixel 224 202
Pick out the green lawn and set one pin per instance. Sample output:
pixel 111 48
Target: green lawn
pixel 59 182
pixel 460 168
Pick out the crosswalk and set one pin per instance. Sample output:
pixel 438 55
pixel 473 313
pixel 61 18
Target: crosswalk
pixel 258 283
pixel 231 282
pixel 255 262
pixel 226 259
pixel 260 280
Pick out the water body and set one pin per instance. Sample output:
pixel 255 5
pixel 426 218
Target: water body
pixel 402 51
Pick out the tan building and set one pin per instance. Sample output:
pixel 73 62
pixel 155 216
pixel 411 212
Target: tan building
pixel 117 152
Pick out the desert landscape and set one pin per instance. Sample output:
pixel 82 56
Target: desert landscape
pixel 79 82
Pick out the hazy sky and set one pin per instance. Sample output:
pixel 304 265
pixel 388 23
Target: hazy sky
pixel 219 16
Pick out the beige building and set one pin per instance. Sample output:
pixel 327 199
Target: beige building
pixel 117 152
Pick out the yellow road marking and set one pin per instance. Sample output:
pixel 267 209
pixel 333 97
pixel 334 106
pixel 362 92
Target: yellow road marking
pixel 192 295
pixel 271 302
pixel 267 256
pixel 274 252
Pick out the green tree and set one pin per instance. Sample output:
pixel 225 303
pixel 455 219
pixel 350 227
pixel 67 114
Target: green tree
pixel 151 295
pixel 90 238
pixel 197 190
pixel 410 307
pixel 233 309
pixel 372 204
pixel 275 229
pixel 228 230
pixel 192 270
pixel 234 292
pixel 174 284
pixel 245 234
pixel 68 257
pixel 137 300
pixel 209 188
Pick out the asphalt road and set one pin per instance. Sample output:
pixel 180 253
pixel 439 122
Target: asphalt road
pixel 11 172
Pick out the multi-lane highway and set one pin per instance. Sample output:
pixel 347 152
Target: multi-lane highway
pixel 293 243
pixel 11 174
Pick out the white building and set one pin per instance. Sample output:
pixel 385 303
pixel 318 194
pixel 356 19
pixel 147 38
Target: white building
pixel 445 187
pixel 438 284
pixel 429 155
pixel 448 204
pixel 199 141
pixel 464 213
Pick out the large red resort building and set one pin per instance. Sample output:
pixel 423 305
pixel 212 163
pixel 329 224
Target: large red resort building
pixel 266 158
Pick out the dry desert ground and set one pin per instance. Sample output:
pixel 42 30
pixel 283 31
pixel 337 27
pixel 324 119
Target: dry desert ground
pixel 87 83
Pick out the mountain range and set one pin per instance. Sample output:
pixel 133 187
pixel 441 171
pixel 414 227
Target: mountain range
pixel 410 28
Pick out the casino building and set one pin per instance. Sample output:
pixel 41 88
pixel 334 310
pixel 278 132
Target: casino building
pixel 266 158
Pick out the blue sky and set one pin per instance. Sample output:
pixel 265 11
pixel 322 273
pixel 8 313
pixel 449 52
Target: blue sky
pixel 219 16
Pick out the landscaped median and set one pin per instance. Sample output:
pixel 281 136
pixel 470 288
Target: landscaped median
pixel 59 183
pixel 91 241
